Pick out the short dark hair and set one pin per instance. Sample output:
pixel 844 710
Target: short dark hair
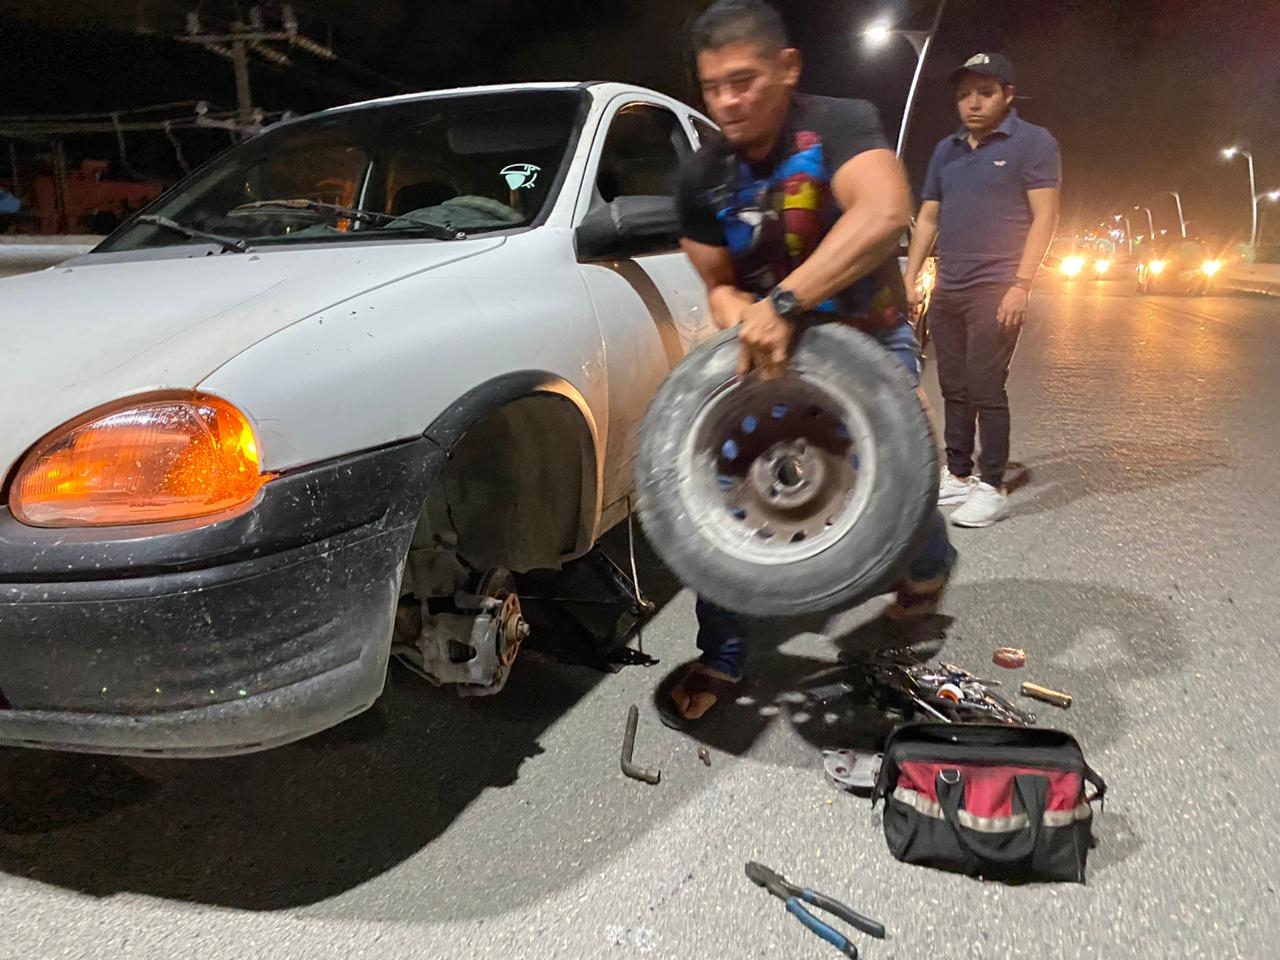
pixel 739 21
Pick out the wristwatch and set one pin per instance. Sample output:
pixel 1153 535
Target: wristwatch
pixel 1022 283
pixel 784 303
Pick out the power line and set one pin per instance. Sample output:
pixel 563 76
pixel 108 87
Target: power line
pixel 28 127
pixel 344 90
pixel 107 114
pixel 397 85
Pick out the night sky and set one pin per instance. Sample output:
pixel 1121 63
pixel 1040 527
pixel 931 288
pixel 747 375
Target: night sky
pixel 1141 94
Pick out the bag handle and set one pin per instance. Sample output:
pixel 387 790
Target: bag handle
pixel 1099 785
pixel 1031 792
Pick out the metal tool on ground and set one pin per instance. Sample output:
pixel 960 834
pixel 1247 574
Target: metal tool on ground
pixel 851 770
pixel 792 895
pixel 944 692
pixel 629 745
pixel 1046 695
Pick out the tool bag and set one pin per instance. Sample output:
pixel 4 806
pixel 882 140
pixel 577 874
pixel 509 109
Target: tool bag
pixel 989 800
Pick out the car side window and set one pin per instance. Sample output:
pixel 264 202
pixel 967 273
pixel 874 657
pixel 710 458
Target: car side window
pixel 642 151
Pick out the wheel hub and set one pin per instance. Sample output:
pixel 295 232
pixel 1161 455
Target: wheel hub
pixel 785 466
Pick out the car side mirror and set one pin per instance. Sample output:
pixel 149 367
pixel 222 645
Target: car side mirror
pixel 627 226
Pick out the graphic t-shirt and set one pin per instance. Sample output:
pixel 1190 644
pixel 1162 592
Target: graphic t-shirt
pixel 772 215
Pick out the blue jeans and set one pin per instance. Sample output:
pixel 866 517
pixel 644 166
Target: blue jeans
pixel 720 631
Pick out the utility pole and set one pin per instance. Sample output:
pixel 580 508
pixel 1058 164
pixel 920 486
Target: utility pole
pixel 244 96
pixel 256 38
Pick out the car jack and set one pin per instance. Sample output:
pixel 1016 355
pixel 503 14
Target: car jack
pixel 586 613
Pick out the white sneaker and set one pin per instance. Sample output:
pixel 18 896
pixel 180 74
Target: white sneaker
pixel 954 489
pixel 986 505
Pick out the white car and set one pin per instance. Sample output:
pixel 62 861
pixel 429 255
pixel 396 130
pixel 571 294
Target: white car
pixel 399 347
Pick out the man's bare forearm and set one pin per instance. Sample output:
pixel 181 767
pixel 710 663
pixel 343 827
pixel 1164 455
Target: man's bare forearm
pixel 1044 221
pixel 855 246
pixel 1038 239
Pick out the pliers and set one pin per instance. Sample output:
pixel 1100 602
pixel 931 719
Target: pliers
pixel 791 894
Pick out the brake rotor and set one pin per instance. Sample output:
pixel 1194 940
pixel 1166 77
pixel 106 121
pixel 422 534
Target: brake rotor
pixel 512 628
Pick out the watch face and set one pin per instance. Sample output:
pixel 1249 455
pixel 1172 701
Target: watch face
pixel 784 302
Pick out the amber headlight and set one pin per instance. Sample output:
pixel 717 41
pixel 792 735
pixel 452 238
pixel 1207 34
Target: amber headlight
pixel 152 461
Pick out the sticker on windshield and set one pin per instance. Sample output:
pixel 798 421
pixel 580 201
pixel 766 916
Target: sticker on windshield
pixel 521 176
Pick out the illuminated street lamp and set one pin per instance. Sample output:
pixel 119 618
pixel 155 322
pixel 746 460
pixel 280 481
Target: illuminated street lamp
pixel 1151 227
pixel 879 34
pixel 1229 154
pixel 1182 224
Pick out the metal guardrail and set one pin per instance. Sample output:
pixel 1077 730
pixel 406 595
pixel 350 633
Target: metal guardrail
pixel 1261 278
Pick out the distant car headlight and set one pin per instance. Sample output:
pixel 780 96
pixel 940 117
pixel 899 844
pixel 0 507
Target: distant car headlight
pixel 1071 266
pixel 148 462
pixel 1157 266
pixel 1101 266
pixel 1211 267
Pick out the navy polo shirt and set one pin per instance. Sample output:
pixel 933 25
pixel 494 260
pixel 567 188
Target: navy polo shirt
pixel 985 216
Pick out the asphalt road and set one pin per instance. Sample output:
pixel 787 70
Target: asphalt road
pixel 1139 570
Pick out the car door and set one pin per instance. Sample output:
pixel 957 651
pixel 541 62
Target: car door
pixel 651 306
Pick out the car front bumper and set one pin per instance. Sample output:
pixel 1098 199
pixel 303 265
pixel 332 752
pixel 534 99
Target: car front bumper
pixel 190 640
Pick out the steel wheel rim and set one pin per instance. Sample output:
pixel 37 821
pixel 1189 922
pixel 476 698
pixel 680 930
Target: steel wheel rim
pixel 776 472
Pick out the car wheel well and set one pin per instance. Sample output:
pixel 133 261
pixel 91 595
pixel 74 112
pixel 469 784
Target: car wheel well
pixel 519 489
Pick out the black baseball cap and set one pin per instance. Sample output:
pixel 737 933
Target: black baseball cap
pixel 987 65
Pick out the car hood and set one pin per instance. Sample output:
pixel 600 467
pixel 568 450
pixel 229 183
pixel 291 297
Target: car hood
pixel 84 334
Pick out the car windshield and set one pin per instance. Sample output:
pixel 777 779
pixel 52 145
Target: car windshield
pixel 437 168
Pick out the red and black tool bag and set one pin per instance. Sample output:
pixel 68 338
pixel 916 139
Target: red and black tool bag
pixel 988 800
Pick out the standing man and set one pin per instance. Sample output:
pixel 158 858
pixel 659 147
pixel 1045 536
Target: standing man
pixel 798 207
pixel 990 200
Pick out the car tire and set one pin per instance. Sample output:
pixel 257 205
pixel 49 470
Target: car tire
pixel 896 464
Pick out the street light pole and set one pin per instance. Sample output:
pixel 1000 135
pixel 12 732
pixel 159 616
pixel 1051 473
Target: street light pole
pixel 1151 227
pixel 1128 230
pixel 920 41
pixel 1182 224
pixel 921 47
pixel 1273 196
pixel 1229 153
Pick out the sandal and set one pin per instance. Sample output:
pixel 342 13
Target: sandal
pixel 695 681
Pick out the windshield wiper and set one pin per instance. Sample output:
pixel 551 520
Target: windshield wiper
pixel 227 243
pixel 439 231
